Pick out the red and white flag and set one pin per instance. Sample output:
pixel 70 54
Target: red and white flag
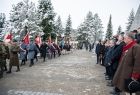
pixel 26 39
pixel 8 37
pixel 38 40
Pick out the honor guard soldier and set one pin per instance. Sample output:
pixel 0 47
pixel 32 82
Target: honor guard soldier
pixel 14 60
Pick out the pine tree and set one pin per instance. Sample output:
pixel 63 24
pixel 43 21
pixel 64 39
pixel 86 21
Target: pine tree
pixel 68 27
pixel 91 28
pixel 46 17
pixel 119 30
pixel 2 22
pixel 81 32
pixel 22 17
pixel 97 28
pixel 109 31
pixel 130 20
pixel 58 26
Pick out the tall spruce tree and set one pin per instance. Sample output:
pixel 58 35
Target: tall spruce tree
pixel 119 30
pixel 98 28
pixel 58 26
pixel 68 28
pixel 109 31
pixel 46 17
pixel 91 28
pixel 130 20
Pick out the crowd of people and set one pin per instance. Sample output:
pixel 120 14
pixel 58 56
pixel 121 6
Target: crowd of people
pixel 121 58
pixel 18 53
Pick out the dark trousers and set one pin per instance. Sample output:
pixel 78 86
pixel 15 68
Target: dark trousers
pixel 59 52
pixel 26 59
pixel 53 54
pixel 23 62
pixel 109 72
pixel 35 56
pixel 4 65
pixel 44 57
pixel 98 58
pixel 1 71
pixel 31 62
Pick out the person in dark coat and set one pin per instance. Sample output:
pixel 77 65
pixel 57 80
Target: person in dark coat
pixel 108 61
pixel 57 48
pixel 98 50
pixel 14 60
pixel 102 53
pixel 52 49
pixel 116 58
pixel 43 50
pixel 22 52
pixel 36 51
pixel 117 53
pixel 105 52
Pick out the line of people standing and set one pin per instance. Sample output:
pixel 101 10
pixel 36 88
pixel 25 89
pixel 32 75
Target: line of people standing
pixel 120 57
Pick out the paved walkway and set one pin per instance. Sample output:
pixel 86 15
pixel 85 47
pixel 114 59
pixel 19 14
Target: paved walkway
pixel 72 74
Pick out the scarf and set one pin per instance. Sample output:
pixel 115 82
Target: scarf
pixel 126 47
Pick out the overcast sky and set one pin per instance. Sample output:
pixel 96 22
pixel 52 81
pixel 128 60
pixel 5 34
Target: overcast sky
pixel 78 9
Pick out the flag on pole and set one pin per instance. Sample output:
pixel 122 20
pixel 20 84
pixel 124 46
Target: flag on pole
pixel 8 37
pixel 38 40
pixel 26 39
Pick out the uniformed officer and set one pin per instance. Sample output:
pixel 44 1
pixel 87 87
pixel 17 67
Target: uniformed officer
pixel 31 51
pixel 2 53
pixel 6 56
pixel 14 60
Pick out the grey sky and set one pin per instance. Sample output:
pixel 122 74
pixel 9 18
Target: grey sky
pixel 78 9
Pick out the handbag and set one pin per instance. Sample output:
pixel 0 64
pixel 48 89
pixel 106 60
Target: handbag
pixel 132 85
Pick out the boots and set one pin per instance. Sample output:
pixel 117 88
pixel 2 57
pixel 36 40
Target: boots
pixel 22 63
pixel 1 76
pixel 1 73
pixel 18 69
pixel 31 62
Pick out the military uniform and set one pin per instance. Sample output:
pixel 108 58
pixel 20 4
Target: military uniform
pixel 6 56
pixel 23 52
pixel 31 52
pixel 2 53
pixel 14 60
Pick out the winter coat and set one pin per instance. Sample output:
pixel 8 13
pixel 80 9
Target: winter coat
pixel 23 48
pixel 108 57
pixel 117 55
pixel 2 55
pixel 43 50
pixel 14 50
pixel 98 48
pixel 130 63
pixel 37 51
pixel 31 50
